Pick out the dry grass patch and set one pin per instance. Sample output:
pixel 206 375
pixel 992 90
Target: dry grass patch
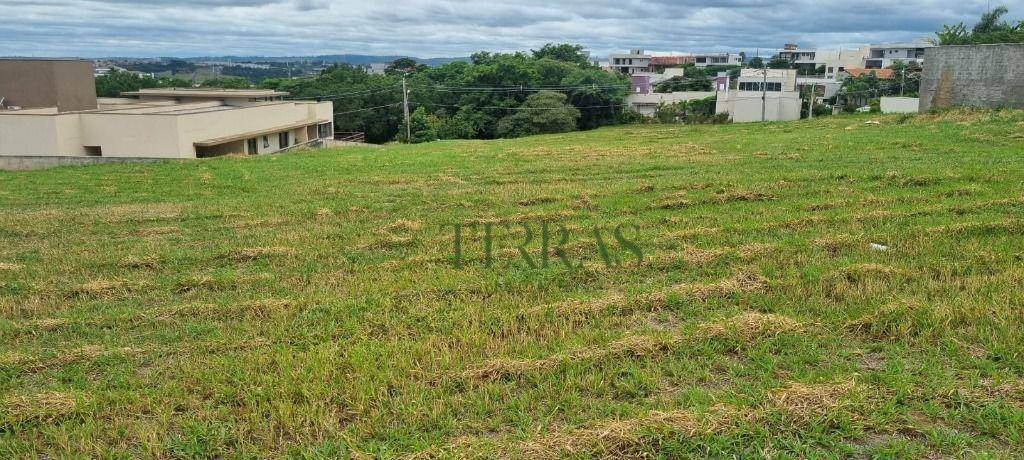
pixel 628 438
pixel 248 254
pixel 543 199
pixel 157 231
pixel 742 282
pixel 9 267
pixel 896 320
pixel 139 262
pixel 753 251
pixel 834 244
pixel 402 226
pixel 104 289
pixel 742 195
pixel 48 406
pixel 629 347
pixel 750 326
pixel 804 403
pixel 672 203
pixel 860 280
pixel 63 357
pixel 44 324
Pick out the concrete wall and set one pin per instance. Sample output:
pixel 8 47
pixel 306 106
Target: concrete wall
pixel 973 76
pixel 64 84
pixel 28 163
pixel 900 104
pixel 745 106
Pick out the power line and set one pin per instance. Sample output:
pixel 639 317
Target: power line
pixel 368 108
pixel 351 94
pixel 523 108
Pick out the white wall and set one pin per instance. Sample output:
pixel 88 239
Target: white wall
pixel 900 104
pixel 745 106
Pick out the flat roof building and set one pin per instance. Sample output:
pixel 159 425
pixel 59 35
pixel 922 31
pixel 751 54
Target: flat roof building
pixel 66 119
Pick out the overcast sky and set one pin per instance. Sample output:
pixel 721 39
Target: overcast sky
pixel 436 28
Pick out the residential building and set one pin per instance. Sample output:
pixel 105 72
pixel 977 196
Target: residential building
pixel 50 109
pixel 762 95
pixel 831 63
pixel 716 59
pixel 628 64
pixel 661 63
pixel 885 55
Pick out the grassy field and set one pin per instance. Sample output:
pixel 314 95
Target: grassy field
pixel 308 305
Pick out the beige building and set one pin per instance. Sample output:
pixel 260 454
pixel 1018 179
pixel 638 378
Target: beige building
pixel 66 119
pixel 762 95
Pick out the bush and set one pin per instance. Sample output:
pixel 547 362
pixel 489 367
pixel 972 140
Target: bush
pixel 541 113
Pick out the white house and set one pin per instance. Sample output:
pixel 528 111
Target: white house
pixel 762 95
pixel 708 59
pixel 629 64
pixel 885 55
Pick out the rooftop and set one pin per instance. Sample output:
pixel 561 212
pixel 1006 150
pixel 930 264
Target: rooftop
pixel 881 74
pixel 205 92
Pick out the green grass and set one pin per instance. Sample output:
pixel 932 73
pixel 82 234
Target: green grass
pixel 307 305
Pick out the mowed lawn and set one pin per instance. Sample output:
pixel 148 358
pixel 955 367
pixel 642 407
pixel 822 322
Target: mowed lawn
pixel 309 305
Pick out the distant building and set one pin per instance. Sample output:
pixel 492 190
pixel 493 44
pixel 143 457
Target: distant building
pixel 716 59
pixel 50 109
pixel 831 61
pixel 628 64
pixel 376 68
pixel 881 74
pixel 885 55
pixel 768 95
pixel 660 63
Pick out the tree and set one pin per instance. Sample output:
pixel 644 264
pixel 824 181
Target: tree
pixel 989 29
pixel 778 63
pixel 563 52
pixel 227 83
pixel 403 65
pixel 423 126
pixel 542 112
pixel 117 82
pixel 756 63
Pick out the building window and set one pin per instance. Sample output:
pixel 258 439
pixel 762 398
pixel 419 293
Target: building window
pixel 282 139
pixel 94 150
pixel 266 142
pixel 324 131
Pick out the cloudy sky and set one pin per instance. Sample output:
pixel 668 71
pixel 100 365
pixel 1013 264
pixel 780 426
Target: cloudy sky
pixel 435 28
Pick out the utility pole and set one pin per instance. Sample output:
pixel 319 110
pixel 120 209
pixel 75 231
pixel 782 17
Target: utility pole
pixel 405 103
pixel 764 93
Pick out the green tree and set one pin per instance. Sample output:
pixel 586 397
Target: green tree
pixel 423 127
pixel 403 65
pixel 563 52
pixel 542 112
pixel 116 82
pixel 778 63
pixel 756 63
pixel 227 83
pixel 991 28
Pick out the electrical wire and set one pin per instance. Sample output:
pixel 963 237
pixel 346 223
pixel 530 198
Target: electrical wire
pixel 368 108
